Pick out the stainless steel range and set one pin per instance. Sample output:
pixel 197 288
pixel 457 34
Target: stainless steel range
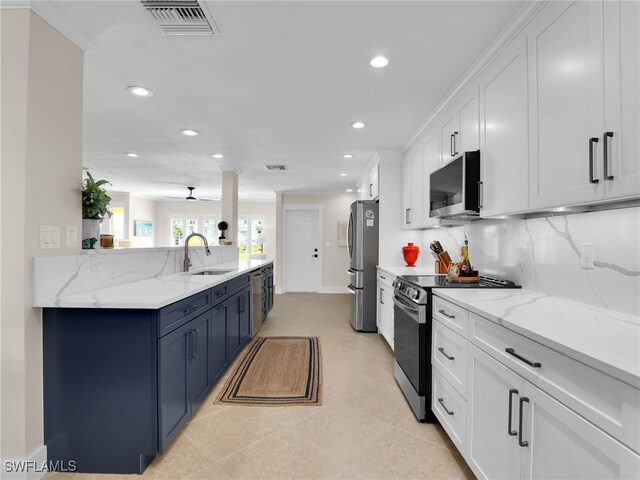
pixel 412 334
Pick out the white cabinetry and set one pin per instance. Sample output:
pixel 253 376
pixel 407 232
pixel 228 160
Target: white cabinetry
pixel 412 190
pixel 430 162
pixel 459 125
pixel 503 132
pixel 576 96
pixel 531 412
pixel 385 306
pixel 368 188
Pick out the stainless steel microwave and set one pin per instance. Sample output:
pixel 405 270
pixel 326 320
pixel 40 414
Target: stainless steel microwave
pixel 455 188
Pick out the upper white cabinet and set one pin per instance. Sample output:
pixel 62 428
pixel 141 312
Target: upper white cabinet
pixel 459 125
pixel 503 132
pixel 430 162
pixel 571 89
pixel 368 189
pixel 412 190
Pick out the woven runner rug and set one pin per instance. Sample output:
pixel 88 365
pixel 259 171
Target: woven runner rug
pixel 276 371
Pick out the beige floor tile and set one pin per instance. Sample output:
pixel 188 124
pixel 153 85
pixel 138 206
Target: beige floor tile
pixel 228 431
pixel 431 432
pixel 382 400
pixel 69 476
pixel 209 472
pixel 281 455
pixel 467 474
pixel 182 459
pixel 400 455
pixel 341 430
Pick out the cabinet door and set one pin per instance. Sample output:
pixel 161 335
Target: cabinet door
pixel 566 101
pixel 406 193
pixel 270 292
pixel 416 190
pixel 504 131
pixel 622 97
pixel 244 313
pixel 218 341
pixel 173 383
pixel 233 326
pixel 373 183
pixel 492 452
pixel 448 133
pixel 430 162
pixel 562 444
pixel 199 361
pixel 467 139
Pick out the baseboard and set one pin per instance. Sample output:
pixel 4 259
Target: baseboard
pixel 34 467
pixel 278 290
pixel 334 290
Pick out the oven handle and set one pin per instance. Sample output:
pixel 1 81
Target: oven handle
pixel 405 307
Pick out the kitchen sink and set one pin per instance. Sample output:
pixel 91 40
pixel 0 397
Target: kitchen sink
pixel 211 272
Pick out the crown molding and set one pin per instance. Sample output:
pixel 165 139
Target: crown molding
pixel 230 169
pixel 50 14
pixel 515 26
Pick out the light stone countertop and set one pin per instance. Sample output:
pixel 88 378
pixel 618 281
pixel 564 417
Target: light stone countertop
pixel 604 339
pixel 402 270
pixel 156 292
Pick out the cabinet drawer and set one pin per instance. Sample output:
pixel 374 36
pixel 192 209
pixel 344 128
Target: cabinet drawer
pixel 178 313
pixel 449 355
pixel 609 403
pixel 386 278
pixel 219 293
pixel 451 315
pixel 267 268
pixel 450 408
pixel 238 283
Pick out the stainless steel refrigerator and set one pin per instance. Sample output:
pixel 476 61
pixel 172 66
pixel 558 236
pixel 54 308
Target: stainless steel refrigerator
pixel 362 243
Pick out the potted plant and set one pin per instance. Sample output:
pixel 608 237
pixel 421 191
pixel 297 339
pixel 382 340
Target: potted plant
pixel 222 226
pixel 94 209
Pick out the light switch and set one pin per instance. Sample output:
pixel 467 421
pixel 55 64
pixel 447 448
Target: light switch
pixel 72 236
pixel 49 236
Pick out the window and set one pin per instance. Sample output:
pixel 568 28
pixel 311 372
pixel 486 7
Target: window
pixel 249 227
pixel 181 226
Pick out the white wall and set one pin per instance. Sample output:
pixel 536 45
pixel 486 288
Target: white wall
pixel 141 209
pixel 41 161
pixel 541 254
pixel 335 259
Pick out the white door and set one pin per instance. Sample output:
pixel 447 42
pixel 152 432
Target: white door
pixel 566 102
pixel 302 251
pixel 504 131
pixel 622 90
pixel 492 452
pixel 562 444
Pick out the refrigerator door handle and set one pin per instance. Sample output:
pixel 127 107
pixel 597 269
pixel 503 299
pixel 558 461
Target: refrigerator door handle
pixel 352 290
pixel 350 236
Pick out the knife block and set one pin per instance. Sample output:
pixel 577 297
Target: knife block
pixel 442 262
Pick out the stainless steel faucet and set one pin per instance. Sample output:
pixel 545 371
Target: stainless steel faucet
pixel 187 263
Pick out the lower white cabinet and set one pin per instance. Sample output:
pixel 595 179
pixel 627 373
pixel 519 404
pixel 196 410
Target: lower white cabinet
pixel 526 423
pixel 385 306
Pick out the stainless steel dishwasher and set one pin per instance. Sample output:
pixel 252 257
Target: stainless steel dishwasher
pixel 257 302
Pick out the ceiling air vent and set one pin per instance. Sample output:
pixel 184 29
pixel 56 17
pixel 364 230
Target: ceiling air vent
pixel 181 17
pixel 275 167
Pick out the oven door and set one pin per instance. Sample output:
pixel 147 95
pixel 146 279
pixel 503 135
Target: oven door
pixel 410 337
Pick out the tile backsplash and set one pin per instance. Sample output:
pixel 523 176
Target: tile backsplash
pixel 542 254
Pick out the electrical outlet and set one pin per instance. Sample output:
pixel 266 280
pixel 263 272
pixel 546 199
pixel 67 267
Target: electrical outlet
pixel 586 255
pixel 72 236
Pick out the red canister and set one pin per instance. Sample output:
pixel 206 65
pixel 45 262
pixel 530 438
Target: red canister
pixel 410 253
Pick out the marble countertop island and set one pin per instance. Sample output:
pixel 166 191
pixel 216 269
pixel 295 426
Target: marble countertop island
pixel 152 293
pixel 604 339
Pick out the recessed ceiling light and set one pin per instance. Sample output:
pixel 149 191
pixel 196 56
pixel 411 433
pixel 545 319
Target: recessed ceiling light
pixel 343 174
pixel 379 61
pixel 140 91
pixel 347 155
pixel 189 133
pixel 349 190
pixel 357 125
pixel 132 155
pixel 217 155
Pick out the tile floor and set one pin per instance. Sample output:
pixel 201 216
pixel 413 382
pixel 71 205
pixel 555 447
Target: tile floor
pixel 363 430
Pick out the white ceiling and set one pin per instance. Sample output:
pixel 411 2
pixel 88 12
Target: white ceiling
pixel 279 85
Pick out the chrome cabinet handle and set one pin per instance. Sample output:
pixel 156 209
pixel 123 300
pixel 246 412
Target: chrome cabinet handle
pixel 513 353
pixel 446 314
pixel 441 350
pixel 522 443
pixel 513 433
pixel 480 193
pixel 455 142
pixel 607 135
pixel 407 216
pixel 381 301
pixel 441 401
pixel 451 140
pixel 592 140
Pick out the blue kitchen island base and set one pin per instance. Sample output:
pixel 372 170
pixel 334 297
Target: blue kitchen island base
pixel 119 384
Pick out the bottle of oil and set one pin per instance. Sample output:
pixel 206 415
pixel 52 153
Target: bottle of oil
pixel 465 265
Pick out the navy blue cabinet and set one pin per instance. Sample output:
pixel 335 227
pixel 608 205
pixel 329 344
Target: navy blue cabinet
pixel 119 384
pixel 218 341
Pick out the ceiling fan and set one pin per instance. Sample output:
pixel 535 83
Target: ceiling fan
pixel 192 198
